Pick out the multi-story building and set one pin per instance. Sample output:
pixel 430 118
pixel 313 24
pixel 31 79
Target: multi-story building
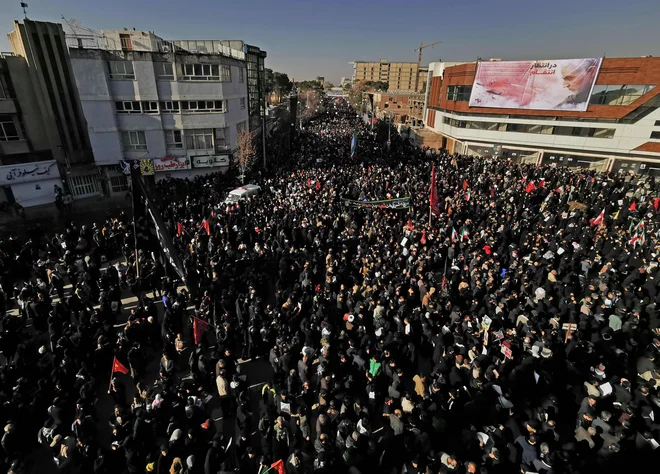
pixel 399 76
pixel 616 128
pixel 400 107
pixel 179 104
pixel 42 127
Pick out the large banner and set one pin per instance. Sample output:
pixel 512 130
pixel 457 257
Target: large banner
pixel 558 84
pixel 399 203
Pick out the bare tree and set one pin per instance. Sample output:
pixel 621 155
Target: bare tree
pixel 245 152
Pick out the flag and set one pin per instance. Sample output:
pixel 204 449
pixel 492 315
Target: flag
pixel 634 239
pixel 465 184
pixel 166 244
pixel 434 194
pixel 467 196
pixel 530 187
pixel 487 249
pixel 199 327
pixel 464 234
pixel 179 228
pixel 423 239
pixel 560 189
pixel 454 235
pixel 616 216
pixel 309 183
pixel 318 185
pixel 541 183
pixel 656 202
pixel 633 206
pixel 279 467
pixel 410 225
pixel 354 144
pixel 207 226
pixel 598 220
pixel 118 366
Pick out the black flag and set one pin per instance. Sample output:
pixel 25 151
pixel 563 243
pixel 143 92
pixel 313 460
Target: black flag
pixel 166 244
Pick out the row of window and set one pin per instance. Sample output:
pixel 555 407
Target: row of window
pixel 532 128
pixel 459 93
pixel 124 70
pixel 193 139
pixel 618 94
pixel 173 106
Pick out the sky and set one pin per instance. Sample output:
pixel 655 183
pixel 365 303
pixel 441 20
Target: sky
pixel 309 38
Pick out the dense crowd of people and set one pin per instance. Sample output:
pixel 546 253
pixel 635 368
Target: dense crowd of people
pixel 513 330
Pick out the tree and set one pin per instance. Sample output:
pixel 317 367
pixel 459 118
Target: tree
pixel 245 152
pixel 281 84
pixel 269 81
pixel 314 85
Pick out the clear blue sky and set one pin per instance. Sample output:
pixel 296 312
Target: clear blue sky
pixel 308 38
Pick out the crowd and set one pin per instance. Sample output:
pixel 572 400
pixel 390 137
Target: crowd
pixel 514 330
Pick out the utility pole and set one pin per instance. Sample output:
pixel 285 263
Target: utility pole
pixel 419 58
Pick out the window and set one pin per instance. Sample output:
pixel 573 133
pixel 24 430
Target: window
pixel 126 43
pixel 200 72
pixel 241 74
pixel 164 71
pixel 150 107
pixel 134 141
pixel 128 107
pixel 169 106
pixel 226 73
pixel 118 184
pixel 615 94
pixel 242 102
pixel 121 70
pixel 199 139
pixel 193 106
pixel 8 129
pixel 459 93
pixel 655 135
pixel 220 140
pixel 173 139
pixel 657 123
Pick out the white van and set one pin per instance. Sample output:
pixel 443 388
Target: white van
pixel 242 193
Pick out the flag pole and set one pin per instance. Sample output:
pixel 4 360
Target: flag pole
pixel 135 237
pixel 111 374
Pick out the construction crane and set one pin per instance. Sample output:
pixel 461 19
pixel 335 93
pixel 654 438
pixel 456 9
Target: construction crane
pixel 419 58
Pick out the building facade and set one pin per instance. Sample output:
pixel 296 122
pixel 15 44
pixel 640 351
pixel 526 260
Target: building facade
pixel 43 125
pixel 619 130
pixel 179 104
pixel 399 76
pixel 400 107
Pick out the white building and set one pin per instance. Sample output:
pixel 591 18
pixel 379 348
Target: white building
pixel 145 98
pixel 619 131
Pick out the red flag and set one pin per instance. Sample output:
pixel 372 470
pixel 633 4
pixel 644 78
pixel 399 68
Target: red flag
pixel 410 226
pixel 530 187
pixel 118 366
pixel 633 206
pixel 207 227
pixel 423 239
pixel 318 185
pixel 465 184
pixel 487 249
pixel 279 467
pixel 179 228
pixel 598 220
pixel 434 194
pixel 199 327
pixel 492 193
pixel 541 183
pixel 309 183
pixel 656 202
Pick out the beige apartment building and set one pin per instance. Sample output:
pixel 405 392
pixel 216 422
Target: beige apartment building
pixel 404 77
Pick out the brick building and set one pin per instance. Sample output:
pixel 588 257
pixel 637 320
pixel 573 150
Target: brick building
pixel 619 130
pixel 401 107
pixel 400 77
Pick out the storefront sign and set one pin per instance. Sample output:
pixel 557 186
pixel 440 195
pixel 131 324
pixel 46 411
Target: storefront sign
pixel 210 161
pixel 13 174
pixel 171 163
